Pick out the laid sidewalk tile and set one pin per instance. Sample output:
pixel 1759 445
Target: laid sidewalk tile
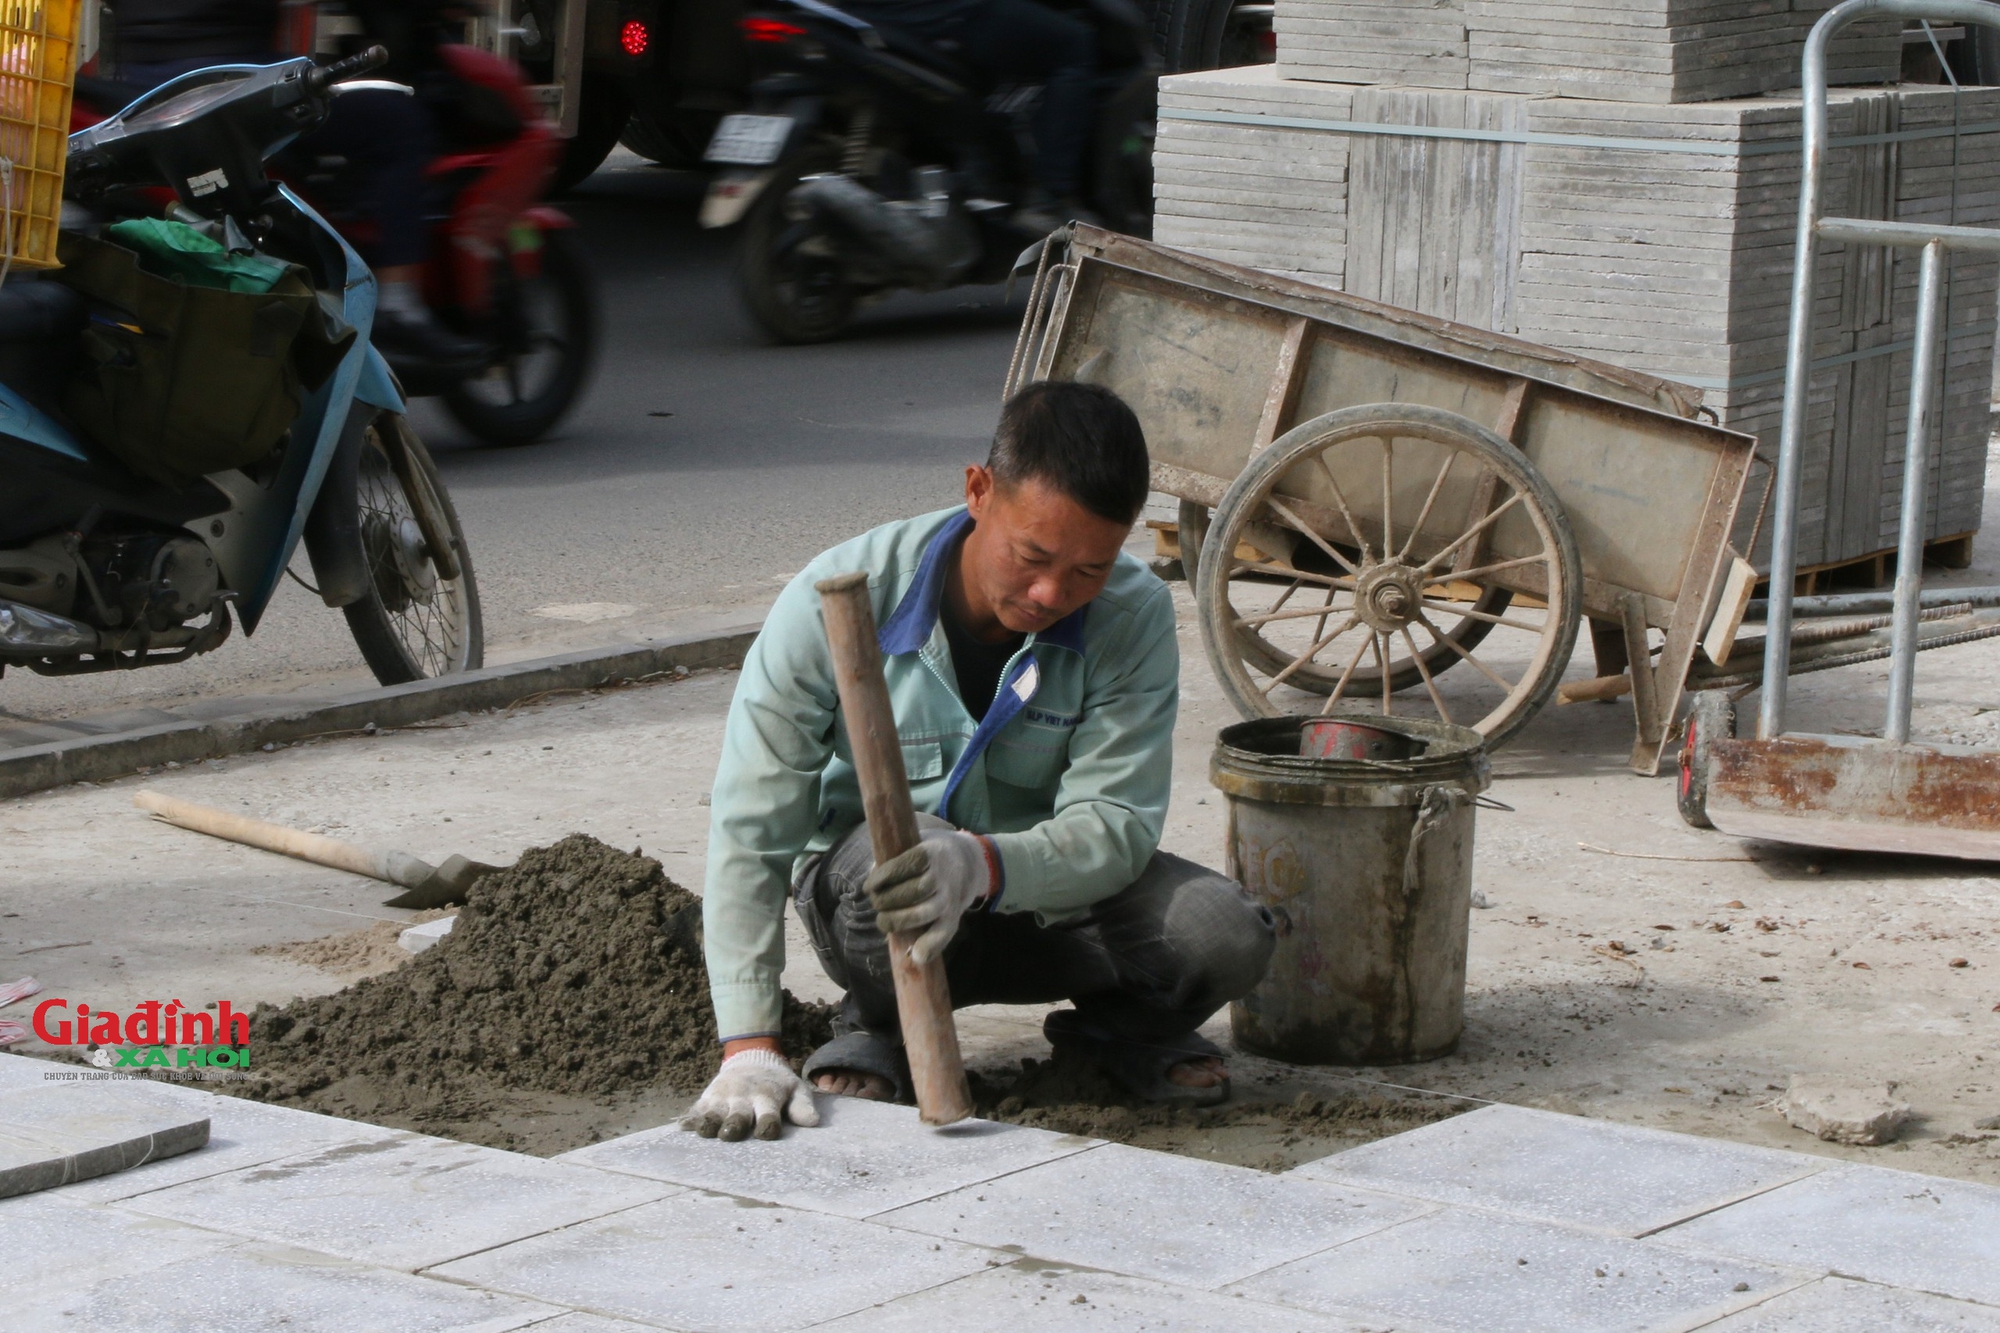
pixel 27 1071
pixel 241 1133
pixel 1564 1169
pixel 403 1203
pixel 1892 1227
pixel 272 1289
pixel 1035 1295
pixel 44 1236
pixel 60 1133
pixel 865 1157
pixel 1155 1215
pixel 575 1322
pixel 1483 1273
pixel 710 1263
pixel 1837 1305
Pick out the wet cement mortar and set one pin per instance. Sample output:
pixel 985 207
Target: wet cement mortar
pixel 571 988
pixel 570 1003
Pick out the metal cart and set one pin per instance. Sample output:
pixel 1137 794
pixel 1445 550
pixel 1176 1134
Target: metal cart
pixel 1395 496
pixel 1886 794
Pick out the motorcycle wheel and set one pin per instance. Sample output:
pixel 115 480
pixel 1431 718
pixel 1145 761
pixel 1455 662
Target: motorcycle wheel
pixel 550 322
pixel 790 273
pixel 410 624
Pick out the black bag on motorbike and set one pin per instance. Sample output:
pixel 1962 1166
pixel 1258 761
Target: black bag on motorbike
pixel 180 380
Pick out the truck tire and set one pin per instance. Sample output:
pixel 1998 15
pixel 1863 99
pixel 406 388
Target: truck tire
pixel 1207 34
pixel 600 120
pixel 674 141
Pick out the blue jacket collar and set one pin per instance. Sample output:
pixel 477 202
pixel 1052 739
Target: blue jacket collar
pixel 909 626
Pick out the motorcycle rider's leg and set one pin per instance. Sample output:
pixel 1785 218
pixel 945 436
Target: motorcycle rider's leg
pixel 1021 41
pixel 391 135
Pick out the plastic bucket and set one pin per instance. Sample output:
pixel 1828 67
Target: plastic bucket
pixel 1367 865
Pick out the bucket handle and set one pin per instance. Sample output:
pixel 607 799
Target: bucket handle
pixel 1488 803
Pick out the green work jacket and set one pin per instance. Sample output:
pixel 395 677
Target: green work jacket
pixel 1069 770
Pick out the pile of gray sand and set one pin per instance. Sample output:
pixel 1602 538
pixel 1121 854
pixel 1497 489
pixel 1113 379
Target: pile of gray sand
pixel 576 973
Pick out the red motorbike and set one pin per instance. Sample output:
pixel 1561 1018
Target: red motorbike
pixel 504 269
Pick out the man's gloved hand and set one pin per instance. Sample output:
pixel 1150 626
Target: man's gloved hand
pixel 930 887
pixel 754 1089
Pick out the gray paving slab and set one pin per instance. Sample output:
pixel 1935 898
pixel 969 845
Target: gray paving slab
pixel 1560 1168
pixel 59 1133
pixel 592 1323
pixel 43 1235
pixel 241 1133
pixel 712 1263
pixel 1838 1305
pixel 865 1157
pixel 25 1071
pixel 1030 1294
pixel 404 1203
pixel 1892 1227
pixel 1151 1214
pixel 273 1289
pixel 1484 1273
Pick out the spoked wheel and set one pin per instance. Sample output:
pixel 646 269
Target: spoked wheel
pixel 1370 550
pixel 792 274
pixel 546 327
pixel 413 622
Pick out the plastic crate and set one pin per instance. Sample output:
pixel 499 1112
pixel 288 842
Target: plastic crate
pixel 37 75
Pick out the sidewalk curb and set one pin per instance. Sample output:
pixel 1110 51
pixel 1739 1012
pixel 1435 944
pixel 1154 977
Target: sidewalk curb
pixel 93 758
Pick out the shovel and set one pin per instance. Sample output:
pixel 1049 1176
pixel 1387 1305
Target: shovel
pixel 424 885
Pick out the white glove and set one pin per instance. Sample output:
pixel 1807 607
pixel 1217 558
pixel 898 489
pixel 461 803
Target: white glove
pixel 754 1088
pixel 930 887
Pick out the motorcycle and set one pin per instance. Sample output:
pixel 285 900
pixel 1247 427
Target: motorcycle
pixel 103 565
pixel 872 162
pixel 504 270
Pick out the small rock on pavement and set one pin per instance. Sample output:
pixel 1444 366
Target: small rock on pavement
pixel 1840 1112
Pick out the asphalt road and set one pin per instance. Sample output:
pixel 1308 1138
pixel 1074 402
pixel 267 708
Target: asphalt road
pixel 704 467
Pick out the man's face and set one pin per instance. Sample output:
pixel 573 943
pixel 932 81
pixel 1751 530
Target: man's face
pixel 1035 555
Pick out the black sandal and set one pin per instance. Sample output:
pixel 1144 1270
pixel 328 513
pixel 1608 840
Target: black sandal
pixel 1139 1067
pixel 863 1053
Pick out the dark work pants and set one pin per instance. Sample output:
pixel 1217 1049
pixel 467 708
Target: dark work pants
pixel 1149 963
pixel 394 139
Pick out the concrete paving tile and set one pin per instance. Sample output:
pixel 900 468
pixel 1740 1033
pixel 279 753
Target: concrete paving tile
pixel 403 1203
pixel 1154 1215
pixel 1484 1273
pixel 1837 1305
pixel 63 1132
pixel 274 1289
pixel 241 1133
pixel 26 1071
pixel 46 1238
pixel 1892 1227
pixel 576 1322
pixel 865 1157
pixel 712 1263
pixel 1030 1294
pixel 1564 1169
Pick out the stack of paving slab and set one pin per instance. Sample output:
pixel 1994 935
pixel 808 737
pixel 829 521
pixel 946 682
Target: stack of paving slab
pixel 1649 51
pixel 1653 236
pixel 1504 1220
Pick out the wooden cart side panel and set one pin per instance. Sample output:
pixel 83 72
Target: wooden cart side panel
pixel 1194 366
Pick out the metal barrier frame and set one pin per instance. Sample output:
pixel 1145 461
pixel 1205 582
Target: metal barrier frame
pixel 1933 242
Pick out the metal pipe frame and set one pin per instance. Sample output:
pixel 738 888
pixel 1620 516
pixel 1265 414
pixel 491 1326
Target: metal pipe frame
pixel 1935 241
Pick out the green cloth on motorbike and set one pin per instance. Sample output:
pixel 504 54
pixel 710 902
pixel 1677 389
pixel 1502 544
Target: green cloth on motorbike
pixel 175 250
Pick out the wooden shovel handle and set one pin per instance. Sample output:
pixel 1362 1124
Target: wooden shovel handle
pixel 923 999
pixel 312 847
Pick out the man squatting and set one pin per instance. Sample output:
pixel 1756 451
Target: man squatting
pixel 1034 673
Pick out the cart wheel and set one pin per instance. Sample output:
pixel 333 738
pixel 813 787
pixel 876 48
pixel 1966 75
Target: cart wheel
pixel 1712 718
pixel 1474 543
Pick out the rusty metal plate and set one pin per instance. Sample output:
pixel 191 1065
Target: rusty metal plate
pixel 1856 794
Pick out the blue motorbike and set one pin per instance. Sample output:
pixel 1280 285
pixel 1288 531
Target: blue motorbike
pixel 107 564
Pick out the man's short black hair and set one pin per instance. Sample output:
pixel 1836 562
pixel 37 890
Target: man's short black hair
pixel 1079 438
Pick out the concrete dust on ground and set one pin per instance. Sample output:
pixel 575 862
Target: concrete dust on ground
pixel 356 953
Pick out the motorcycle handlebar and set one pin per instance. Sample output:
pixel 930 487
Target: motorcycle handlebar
pixel 326 75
